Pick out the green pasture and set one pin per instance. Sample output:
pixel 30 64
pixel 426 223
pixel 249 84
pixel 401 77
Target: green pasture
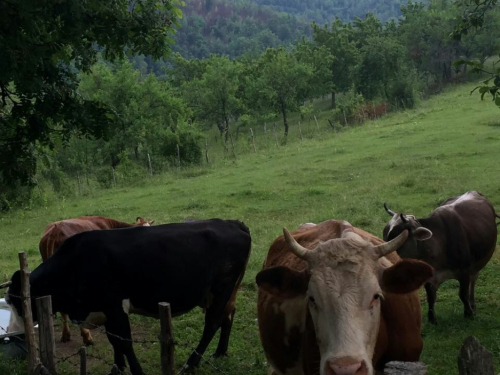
pixel 412 160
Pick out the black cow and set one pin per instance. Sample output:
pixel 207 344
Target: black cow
pixel 113 272
pixel 457 239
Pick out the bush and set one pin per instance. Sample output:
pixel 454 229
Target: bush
pixel 403 90
pixel 188 139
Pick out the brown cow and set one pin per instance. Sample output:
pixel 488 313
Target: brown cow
pixel 56 233
pixel 344 307
pixel 457 239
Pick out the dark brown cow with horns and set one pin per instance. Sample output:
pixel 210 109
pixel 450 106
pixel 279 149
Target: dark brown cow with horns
pixel 336 300
pixel 457 239
pixel 56 233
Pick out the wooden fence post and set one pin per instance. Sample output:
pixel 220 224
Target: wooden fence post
pixel 474 359
pixel 265 128
pixel 166 339
pixel 178 158
pixel 150 167
pixel 232 144
pixel 316 120
pixel 275 136
pixel 46 333
pixel 79 183
pixel 29 327
pixel 206 150
pixel 114 177
pixel 300 131
pixel 345 118
pixel 253 140
pixel 83 360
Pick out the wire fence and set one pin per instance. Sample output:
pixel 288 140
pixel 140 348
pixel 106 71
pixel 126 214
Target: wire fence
pixel 48 370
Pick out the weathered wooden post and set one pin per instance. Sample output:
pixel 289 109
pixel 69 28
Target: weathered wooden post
pixel 253 140
pixel 46 333
pixel 29 327
pixel 316 120
pixel 345 118
pixel 474 359
pixel 275 136
pixel 150 167
pixel 114 177
pixel 300 132
pixel 178 158
pixel 206 150
pixel 166 339
pixel 79 183
pixel 232 144
pixel 83 360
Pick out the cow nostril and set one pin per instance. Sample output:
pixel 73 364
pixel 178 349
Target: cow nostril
pixel 346 366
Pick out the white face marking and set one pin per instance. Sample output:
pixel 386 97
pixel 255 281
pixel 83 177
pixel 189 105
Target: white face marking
pixel 344 281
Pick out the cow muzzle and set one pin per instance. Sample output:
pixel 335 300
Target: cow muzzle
pixel 346 366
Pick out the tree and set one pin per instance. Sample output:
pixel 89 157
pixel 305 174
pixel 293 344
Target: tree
pixel 43 46
pixel 213 97
pixel 280 82
pixel 473 18
pixel 338 41
pixel 381 60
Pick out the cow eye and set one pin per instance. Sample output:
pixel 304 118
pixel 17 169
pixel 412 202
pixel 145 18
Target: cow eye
pixel 376 296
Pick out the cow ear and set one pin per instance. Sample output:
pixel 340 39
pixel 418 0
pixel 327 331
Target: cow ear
pixel 283 282
pixel 139 220
pixel 422 234
pixel 406 276
pixel 151 222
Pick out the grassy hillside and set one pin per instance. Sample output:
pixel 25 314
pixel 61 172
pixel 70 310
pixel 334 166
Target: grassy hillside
pixel 411 160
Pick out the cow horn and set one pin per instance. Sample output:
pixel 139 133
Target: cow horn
pixel 294 246
pixel 5 285
pixel 391 246
pixel 403 218
pixel 388 210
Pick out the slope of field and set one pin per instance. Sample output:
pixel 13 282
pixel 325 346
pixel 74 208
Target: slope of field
pixel 412 160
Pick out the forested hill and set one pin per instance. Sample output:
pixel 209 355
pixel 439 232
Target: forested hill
pixel 324 11
pixel 234 27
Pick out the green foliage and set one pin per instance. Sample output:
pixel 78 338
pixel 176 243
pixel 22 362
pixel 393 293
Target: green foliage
pixel 485 16
pixel 38 68
pixel 381 61
pixel 280 82
pixel 213 96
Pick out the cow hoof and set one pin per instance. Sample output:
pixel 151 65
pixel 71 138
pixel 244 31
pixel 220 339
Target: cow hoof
pixel 469 314
pixel 88 343
pixel 66 339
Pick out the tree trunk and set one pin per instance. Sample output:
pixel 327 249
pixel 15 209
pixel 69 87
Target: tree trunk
pixel 334 100
pixel 226 129
pixel 283 111
pixel 136 151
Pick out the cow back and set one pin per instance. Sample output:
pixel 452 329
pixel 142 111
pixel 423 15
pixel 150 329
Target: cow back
pixel 178 263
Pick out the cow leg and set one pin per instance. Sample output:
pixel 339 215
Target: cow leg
pixel 66 334
pixel 119 336
pixel 227 322
pixel 225 331
pixel 431 292
pixel 214 317
pixel 465 284
pixel 86 336
pixel 472 292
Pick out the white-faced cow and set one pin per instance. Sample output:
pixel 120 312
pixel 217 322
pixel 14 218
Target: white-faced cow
pixel 457 239
pixel 336 300
pixel 56 233
pixel 110 273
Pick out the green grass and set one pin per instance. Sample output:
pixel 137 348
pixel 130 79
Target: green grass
pixel 411 160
